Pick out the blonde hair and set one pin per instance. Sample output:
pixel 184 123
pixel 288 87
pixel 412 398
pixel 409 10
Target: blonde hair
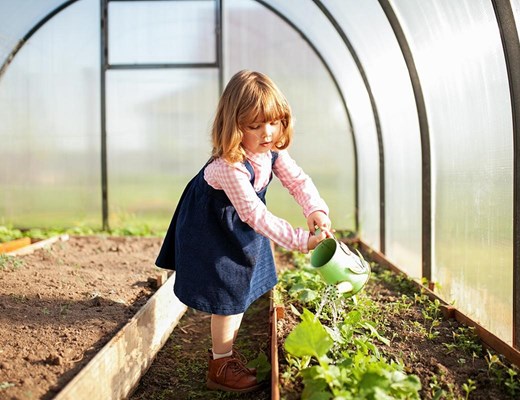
pixel 248 95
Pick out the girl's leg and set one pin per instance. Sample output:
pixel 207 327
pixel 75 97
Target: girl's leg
pixel 224 329
pixel 225 371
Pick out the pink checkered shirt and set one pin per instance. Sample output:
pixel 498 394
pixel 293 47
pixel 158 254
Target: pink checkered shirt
pixel 234 179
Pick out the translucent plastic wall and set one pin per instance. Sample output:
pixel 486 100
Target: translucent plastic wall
pixel 159 104
pixel 20 17
pixel 457 45
pixel 306 15
pixel 389 82
pixel 323 141
pixel 49 129
pixel 150 109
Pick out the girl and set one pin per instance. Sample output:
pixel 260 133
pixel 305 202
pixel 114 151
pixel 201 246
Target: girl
pixel 218 240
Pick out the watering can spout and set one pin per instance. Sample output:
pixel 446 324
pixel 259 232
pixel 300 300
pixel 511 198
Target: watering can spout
pixel 344 287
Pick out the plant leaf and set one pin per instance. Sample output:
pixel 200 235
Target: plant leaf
pixel 308 338
pixel 263 367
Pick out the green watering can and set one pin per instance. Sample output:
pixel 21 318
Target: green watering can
pixel 339 266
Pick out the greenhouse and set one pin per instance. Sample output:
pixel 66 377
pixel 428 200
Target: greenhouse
pixel 407 118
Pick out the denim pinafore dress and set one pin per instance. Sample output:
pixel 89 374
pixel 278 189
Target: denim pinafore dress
pixel 221 264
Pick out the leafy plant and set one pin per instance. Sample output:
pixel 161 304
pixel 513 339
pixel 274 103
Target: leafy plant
pixel 262 365
pixel 465 339
pixel 7 234
pixel 359 372
pixel 469 387
pixel 503 374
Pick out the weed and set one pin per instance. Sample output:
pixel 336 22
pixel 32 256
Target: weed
pixel 6 385
pixel 64 309
pixel 20 298
pixel 9 262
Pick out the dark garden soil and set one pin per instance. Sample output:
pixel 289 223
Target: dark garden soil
pixel 59 306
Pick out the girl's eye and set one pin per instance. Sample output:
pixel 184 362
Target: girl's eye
pixel 253 127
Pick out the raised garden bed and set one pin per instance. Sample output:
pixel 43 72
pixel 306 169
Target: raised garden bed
pixel 61 304
pixel 393 340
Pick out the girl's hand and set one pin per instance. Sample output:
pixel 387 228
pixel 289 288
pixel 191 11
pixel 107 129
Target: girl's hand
pixel 319 225
pixel 315 239
pixel 318 219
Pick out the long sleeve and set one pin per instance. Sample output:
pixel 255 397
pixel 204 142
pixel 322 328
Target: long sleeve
pixel 299 184
pixel 234 179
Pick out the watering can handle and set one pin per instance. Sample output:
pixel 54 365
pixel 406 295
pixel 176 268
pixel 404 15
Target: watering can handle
pixel 342 245
pixel 345 248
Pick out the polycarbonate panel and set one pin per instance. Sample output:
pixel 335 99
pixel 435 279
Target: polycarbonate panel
pixel 49 108
pixel 460 62
pixel 307 16
pixel 515 5
pixel 162 32
pixel 158 138
pixel 17 18
pixel 375 41
pixel 322 143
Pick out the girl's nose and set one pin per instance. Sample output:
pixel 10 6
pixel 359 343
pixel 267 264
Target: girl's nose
pixel 269 130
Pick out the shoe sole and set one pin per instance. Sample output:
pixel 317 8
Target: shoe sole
pixel 217 386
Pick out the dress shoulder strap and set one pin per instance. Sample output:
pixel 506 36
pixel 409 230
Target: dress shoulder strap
pixel 251 171
pixel 274 155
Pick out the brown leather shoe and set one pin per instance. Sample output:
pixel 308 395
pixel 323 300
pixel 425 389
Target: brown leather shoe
pixel 231 375
pixel 239 356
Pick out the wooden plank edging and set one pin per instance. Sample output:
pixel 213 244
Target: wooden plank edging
pixel 116 370
pixel 15 244
pixel 38 245
pixel 275 369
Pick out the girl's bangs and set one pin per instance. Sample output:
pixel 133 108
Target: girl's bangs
pixel 270 108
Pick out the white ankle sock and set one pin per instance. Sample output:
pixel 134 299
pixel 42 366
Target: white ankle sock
pixel 217 356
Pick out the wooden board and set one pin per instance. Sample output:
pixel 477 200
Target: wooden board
pixel 14 245
pixel 275 313
pixel 116 370
pixel 37 245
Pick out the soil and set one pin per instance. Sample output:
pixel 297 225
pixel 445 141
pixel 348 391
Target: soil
pixel 59 306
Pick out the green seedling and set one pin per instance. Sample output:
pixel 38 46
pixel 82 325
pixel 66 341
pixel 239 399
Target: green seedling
pixel 469 387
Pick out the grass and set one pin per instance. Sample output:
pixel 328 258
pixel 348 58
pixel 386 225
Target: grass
pixel 8 233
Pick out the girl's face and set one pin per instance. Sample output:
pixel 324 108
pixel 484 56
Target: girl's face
pixel 260 136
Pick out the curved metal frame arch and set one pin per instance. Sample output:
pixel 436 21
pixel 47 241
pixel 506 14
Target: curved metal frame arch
pixel 359 65
pixel 31 32
pixel 329 70
pixel 425 137
pixel 510 43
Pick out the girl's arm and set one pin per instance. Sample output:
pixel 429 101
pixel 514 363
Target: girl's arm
pixel 234 180
pixel 301 187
